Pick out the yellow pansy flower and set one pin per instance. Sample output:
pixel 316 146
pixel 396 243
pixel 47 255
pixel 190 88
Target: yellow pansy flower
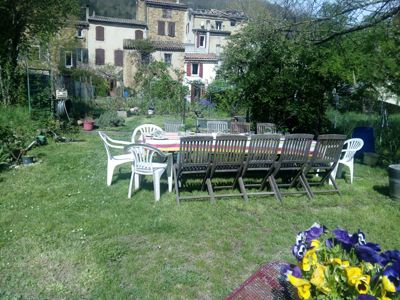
pixel 309 259
pixel 362 284
pixel 315 244
pixel 339 262
pixel 384 298
pixel 353 273
pixel 388 285
pixel 318 279
pixel 303 286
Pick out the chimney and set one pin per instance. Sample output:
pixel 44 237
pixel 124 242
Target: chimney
pixel 87 13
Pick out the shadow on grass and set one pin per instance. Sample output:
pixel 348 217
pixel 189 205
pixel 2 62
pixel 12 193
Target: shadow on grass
pixel 382 189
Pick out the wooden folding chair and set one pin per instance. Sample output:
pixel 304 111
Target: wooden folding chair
pixel 261 157
pixel 217 126
pixel 194 160
pixel 228 158
pixel 324 160
pixel 240 127
pixel 266 128
pixel 293 158
pixel 173 126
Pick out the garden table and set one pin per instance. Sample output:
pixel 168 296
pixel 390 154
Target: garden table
pixel 171 141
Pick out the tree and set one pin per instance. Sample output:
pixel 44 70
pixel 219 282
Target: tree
pixel 23 22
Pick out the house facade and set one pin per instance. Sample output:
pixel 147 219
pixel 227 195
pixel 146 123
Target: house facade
pixel 185 39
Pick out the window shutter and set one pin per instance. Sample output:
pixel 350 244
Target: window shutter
pixel 74 58
pixel 198 40
pixel 201 70
pixel 99 33
pixel 188 69
pixel 100 57
pixel 171 28
pixel 161 28
pixel 62 57
pixel 118 58
pixel 138 35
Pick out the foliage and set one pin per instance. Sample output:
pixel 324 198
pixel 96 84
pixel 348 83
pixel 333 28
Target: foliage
pixel 110 119
pixel 23 22
pixel 158 88
pixel 343 266
pixel 225 96
pixel 386 130
pixel 96 77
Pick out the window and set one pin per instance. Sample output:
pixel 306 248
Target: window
pixel 99 33
pixel 187 28
pixel 233 23
pixel 168 58
pixel 138 35
pixel 171 28
pixel 195 69
pixel 218 25
pixel 161 28
pixel 167 13
pixel 202 41
pixel 79 33
pixel 118 58
pixel 68 59
pixel 100 57
pixel 34 53
pixel 218 49
pixel 145 58
pixel 82 55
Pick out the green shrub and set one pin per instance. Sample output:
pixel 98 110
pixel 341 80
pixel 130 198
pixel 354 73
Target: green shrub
pixel 110 119
pixel 387 137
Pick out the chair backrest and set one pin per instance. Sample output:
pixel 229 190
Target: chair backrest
pixel 143 156
pixel 295 151
pixel 229 153
pixel 266 128
pixel 173 126
pixel 142 130
pixel 327 150
pixel 217 126
pixel 351 146
pixel 194 154
pixel 240 127
pixel 263 151
pixel 109 143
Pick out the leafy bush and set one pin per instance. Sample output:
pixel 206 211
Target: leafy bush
pixel 110 119
pixel 386 133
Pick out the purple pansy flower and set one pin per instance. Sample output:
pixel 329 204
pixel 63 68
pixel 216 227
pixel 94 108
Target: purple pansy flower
pixel 299 250
pixel 369 254
pixel 314 232
pixel 390 256
pixel 366 297
pixel 291 269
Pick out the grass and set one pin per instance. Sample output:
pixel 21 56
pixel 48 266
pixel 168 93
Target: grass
pixel 65 234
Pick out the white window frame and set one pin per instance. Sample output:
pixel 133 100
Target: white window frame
pixel 65 59
pixel 216 25
pixel 198 69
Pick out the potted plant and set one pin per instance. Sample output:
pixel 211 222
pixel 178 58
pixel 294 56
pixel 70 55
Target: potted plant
pixel 27 159
pixel 88 123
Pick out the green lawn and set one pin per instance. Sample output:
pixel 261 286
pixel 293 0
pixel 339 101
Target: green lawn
pixel 65 234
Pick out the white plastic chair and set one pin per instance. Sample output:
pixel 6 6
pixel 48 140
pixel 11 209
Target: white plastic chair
pixel 143 130
pixel 350 148
pixel 217 126
pixel 143 164
pixel 114 160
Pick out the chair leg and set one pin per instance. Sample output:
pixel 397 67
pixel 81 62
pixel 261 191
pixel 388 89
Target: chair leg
pixel 110 172
pixel 210 190
pixel 306 186
pixel 243 189
pixel 137 181
pixel 156 184
pixel 130 184
pixel 351 167
pixel 176 185
pixel 275 188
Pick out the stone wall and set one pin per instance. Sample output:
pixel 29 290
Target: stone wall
pixel 155 14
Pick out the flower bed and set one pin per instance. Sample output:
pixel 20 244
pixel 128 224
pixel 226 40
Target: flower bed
pixel 339 265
